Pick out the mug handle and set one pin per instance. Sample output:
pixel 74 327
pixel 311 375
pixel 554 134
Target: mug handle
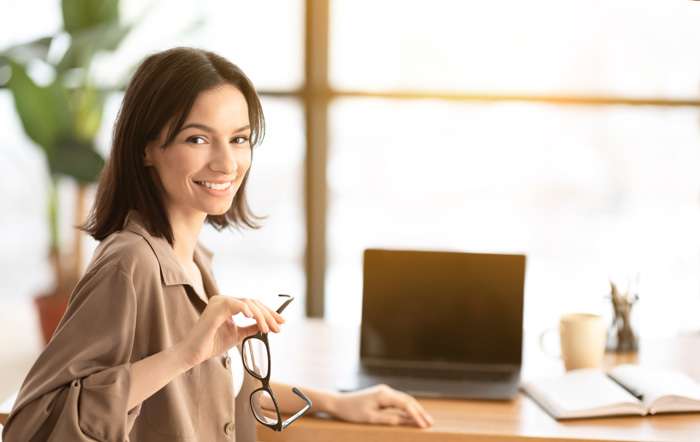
pixel 543 346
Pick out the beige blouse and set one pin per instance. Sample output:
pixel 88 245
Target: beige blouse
pixel 133 301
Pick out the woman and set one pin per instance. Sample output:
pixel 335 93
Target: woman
pixel 141 352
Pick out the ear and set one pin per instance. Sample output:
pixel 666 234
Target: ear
pixel 148 155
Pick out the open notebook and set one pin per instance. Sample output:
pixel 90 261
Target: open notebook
pixel 624 390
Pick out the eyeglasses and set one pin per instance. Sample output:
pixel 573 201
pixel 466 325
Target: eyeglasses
pixel 256 361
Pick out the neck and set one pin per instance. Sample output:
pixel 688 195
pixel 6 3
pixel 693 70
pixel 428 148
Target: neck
pixel 186 228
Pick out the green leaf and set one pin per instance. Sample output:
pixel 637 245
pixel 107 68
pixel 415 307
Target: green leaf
pixel 77 159
pixel 88 105
pixel 29 51
pixel 79 15
pixel 42 110
pixel 85 44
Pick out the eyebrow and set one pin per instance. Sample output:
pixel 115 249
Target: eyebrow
pixel 206 128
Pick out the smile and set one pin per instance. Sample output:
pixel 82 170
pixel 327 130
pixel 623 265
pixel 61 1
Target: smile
pixel 215 186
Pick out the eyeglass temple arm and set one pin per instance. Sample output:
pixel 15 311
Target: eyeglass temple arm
pixel 299 413
pixel 286 303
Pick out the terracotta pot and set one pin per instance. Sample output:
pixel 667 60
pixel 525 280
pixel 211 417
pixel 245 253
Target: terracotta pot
pixel 50 308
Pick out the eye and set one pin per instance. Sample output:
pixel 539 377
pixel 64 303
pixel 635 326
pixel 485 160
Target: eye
pixel 239 140
pixel 193 139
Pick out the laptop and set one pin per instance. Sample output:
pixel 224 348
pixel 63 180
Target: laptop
pixel 442 324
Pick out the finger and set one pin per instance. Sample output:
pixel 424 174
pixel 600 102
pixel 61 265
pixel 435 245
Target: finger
pixel 259 316
pixel 267 313
pixel 278 317
pixel 411 411
pixel 424 413
pixel 404 418
pixel 416 415
pixel 238 306
pixel 427 418
pixel 385 417
pixel 405 402
pixel 397 411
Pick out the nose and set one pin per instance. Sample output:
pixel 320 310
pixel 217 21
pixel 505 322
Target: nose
pixel 224 160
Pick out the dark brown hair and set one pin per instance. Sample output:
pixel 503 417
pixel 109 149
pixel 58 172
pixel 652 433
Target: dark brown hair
pixel 161 93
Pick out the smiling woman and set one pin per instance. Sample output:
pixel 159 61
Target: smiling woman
pixel 141 352
pixel 161 125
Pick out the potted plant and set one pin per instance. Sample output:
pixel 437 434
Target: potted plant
pixel 63 118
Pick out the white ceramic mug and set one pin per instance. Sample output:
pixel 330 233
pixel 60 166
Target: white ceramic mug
pixel 581 339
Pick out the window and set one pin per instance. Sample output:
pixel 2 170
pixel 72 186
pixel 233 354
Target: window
pixel 622 48
pixel 491 156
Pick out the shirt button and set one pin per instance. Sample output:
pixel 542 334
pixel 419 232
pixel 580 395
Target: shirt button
pixel 228 428
pixel 227 361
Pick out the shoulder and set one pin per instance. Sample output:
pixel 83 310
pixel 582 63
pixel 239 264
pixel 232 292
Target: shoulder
pixel 126 252
pixel 120 266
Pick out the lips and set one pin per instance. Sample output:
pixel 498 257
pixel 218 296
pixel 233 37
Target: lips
pixel 213 185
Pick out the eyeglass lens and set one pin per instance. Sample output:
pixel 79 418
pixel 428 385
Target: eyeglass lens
pixel 255 357
pixel 264 407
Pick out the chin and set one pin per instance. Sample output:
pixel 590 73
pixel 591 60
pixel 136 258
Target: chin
pixel 218 211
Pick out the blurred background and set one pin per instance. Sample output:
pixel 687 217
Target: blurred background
pixel 565 130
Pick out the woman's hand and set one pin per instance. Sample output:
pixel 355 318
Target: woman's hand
pixel 215 332
pixel 381 404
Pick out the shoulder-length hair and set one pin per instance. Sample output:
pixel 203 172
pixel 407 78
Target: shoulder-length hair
pixel 161 93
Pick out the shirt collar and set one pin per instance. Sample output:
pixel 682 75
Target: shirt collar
pixel 171 271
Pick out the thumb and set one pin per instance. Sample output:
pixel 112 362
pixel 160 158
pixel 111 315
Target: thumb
pixel 246 331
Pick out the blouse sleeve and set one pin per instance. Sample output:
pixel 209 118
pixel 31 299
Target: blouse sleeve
pixel 78 388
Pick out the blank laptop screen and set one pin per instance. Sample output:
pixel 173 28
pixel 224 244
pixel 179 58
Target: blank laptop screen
pixel 442 307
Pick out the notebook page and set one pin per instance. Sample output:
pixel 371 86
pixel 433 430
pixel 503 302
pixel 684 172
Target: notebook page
pixel 662 390
pixel 581 393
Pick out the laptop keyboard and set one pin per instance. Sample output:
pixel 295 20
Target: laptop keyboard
pixel 451 374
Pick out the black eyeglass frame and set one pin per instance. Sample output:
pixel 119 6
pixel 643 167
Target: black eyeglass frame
pixel 279 425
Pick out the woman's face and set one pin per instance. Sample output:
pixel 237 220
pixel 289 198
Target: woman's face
pixel 202 169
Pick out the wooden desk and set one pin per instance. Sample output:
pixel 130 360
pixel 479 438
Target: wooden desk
pixel 312 353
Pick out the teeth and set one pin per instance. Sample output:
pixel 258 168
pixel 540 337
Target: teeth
pixel 215 186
